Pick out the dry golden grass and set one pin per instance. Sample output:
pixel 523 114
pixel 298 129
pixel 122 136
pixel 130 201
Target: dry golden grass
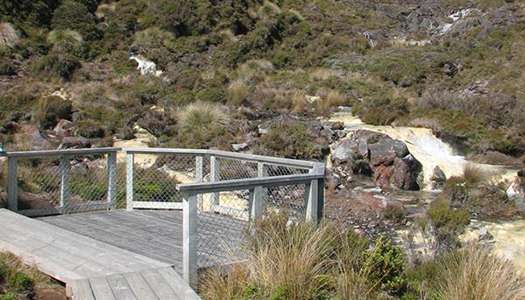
pixel 475 274
pixel 237 92
pixel 474 175
pixel 299 103
pixel 294 259
pixel 230 284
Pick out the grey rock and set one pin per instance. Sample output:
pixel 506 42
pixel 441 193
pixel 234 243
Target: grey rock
pixel 239 147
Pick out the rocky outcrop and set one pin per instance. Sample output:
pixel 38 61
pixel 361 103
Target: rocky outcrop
pixel 374 154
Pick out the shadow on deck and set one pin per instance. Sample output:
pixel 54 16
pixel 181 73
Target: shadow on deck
pixel 157 234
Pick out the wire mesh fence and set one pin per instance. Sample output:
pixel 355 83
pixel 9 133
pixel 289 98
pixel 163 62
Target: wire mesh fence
pixel 59 183
pixel 65 184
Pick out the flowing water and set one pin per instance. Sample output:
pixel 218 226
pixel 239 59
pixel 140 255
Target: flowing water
pixel 427 149
pixel 509 236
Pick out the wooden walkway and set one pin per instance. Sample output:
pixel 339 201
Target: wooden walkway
pixel 91 269
pixel 157 234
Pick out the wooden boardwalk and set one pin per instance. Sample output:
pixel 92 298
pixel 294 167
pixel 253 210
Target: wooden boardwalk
pixel 157 234
pixel 117 254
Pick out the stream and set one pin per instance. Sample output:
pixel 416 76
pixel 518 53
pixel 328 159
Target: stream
pixel 509 236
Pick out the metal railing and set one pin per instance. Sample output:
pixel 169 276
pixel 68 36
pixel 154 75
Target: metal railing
pixel 218 191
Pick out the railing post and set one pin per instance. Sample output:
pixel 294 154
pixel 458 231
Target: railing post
pixel 256 203
pixel 215 176
pixel 112 179
pixel 312 197
pixel 198 168
pixel 12 186
pixel 189 239
pixel 64 168
pixel 130 161
pixel 258 195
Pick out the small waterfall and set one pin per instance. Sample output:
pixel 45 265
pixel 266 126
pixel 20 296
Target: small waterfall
pixel 425 146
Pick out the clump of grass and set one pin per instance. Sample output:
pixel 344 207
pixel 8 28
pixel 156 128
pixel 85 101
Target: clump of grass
pixel 237 92
pixel 474 273
pixel 199 124
pixel 291 260
pixel 304 261
pixel 474 175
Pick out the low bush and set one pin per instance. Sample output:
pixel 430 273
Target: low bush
pixel 58 64
pixel 448 223
pixel 18 281
pixel 7 68
pixel 50 110
pixel 74 15
pixel 90 129
pixel 291 139
pixel 302 261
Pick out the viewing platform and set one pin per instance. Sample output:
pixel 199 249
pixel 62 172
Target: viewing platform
pixel 116 223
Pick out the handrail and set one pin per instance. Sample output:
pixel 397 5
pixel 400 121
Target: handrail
pixel 247 183
pixel 40 153
pixel 226 154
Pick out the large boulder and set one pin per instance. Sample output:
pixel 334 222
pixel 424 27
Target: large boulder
pixel 375 154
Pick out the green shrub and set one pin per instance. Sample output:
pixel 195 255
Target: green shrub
pixel 74 15
pixel 7 68
pixel 21 282
pixel 291 139
pixel 58 64
pixel 211 94
pixel 90 129
pixel 385 264
pixel 448 223
pixel 50 110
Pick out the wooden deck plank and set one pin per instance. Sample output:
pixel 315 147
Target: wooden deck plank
pixel 159 285
pixel 177 284
pixel 158 234
pixel 120 287
pixel 140 286
pixel 81 290
pixel 101 289
pixel 63 254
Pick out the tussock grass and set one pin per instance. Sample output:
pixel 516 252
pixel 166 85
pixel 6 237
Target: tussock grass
pixel 237 92
pixel 200 123
pixel 475 274
pixel 473 175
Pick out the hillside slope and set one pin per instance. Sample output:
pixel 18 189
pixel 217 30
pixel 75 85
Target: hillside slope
pixel 454 66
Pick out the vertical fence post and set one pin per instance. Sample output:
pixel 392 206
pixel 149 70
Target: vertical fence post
pixel 199 168
pixel 256 203
pixel 12 197
pixel 199 176
pixel 214 177
pixel 112 179
pixel 314 193
pixel 64 168
pixel 311 190
pixel 258 195
pixel 189 239
pixel 130 161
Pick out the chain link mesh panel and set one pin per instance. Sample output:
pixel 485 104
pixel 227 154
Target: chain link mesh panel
pixel 221 227
pixel 155 177
pixel 85 184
